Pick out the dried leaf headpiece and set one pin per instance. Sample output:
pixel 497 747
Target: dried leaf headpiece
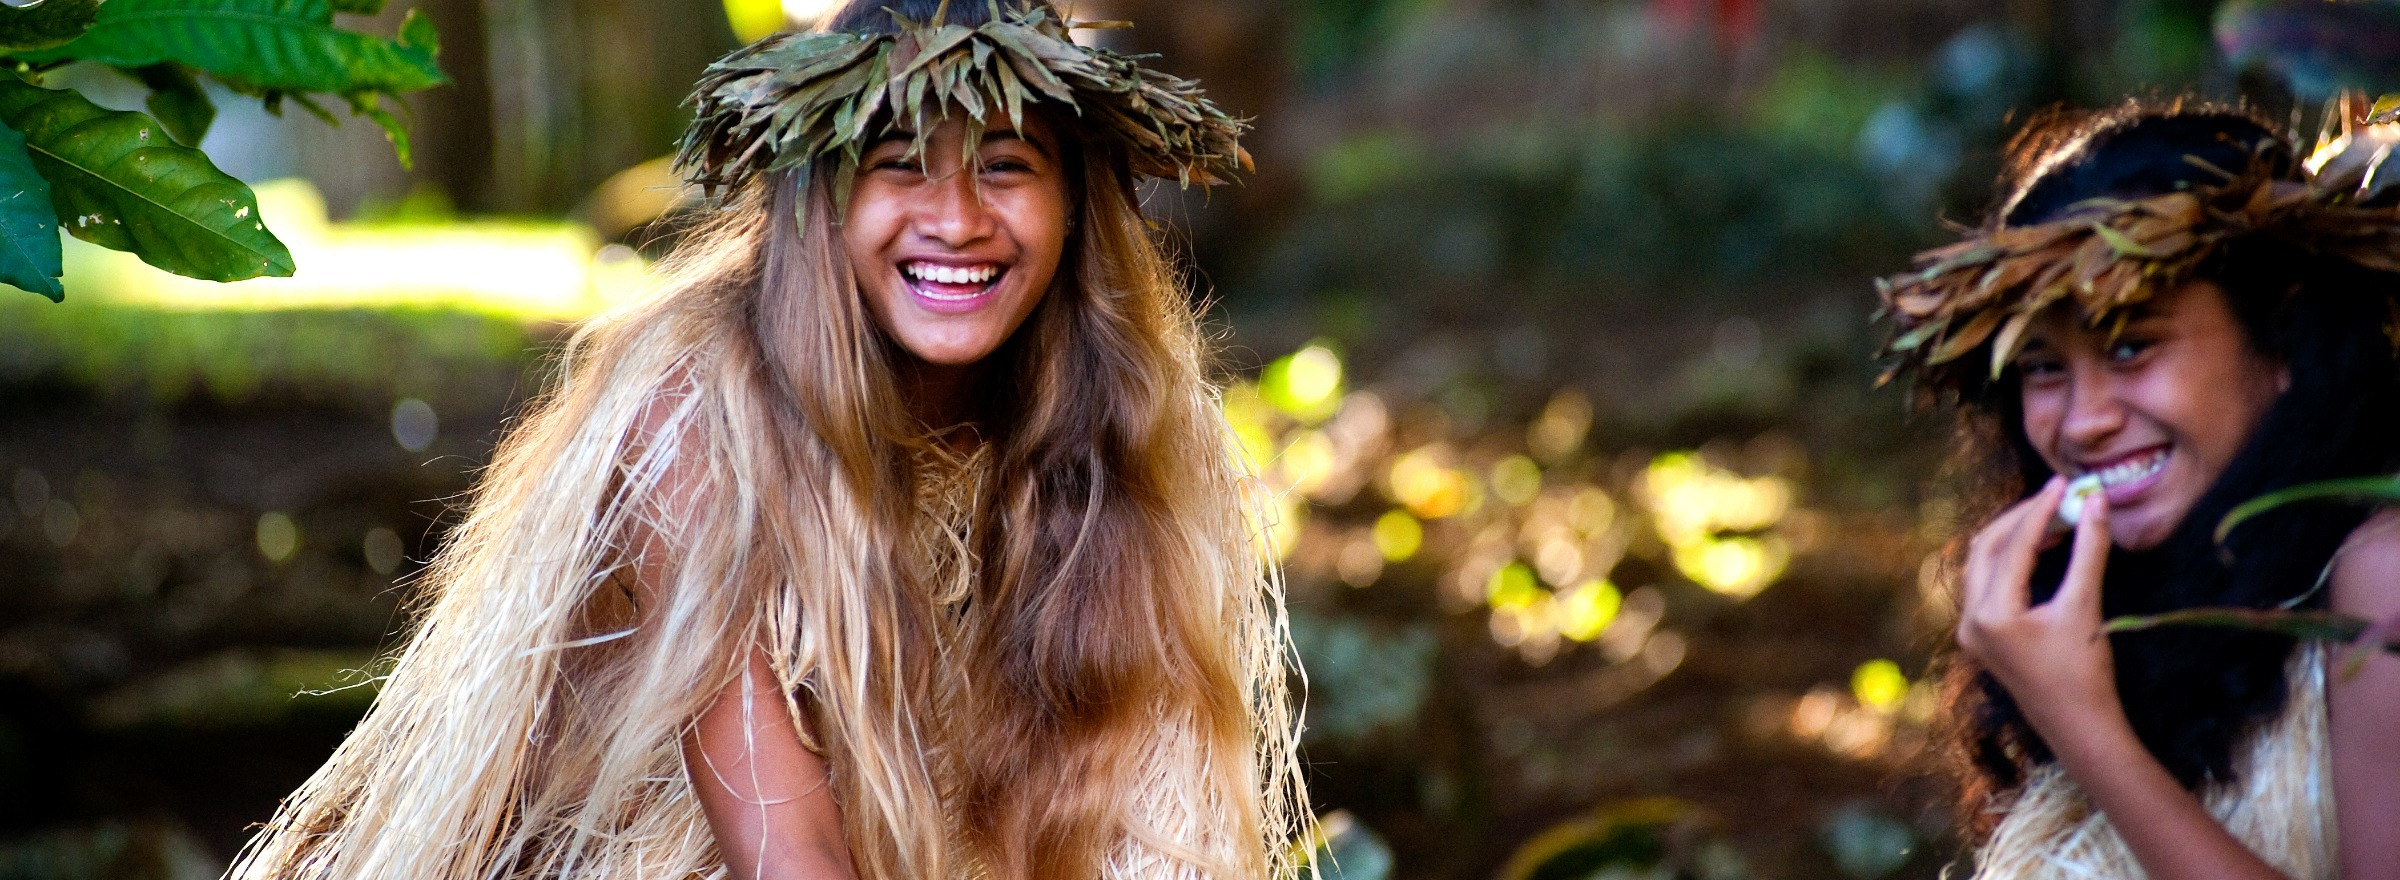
pixel 2106 255
pixel 795 99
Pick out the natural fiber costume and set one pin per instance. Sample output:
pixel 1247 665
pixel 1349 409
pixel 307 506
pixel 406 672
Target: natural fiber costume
pixel 2281 807
pixel 705 482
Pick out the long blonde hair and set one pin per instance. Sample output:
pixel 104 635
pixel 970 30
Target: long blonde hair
pixel 1115 701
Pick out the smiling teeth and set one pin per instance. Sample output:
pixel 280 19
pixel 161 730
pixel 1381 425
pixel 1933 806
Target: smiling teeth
pixel 940 274
pixel 2131 471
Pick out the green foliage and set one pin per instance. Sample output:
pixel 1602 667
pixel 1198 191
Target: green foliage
pixel 2383 489
pixel 276 45
pixel 1367 678
pixel 46 23
pixel 1333 34
pixel 117 180
pixel 358 358
pixel 29 250
pixel 138 182
pixel 177 101
pixel 2326 626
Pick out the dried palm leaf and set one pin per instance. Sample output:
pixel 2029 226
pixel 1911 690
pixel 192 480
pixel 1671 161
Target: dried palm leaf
pixel 792 100
pixel 2107 255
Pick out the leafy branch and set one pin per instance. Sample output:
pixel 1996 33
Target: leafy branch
pixel 137 181
pixel 2327 626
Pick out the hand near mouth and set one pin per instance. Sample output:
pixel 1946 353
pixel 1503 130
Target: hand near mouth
pixel 2051 656
pixel 2058 666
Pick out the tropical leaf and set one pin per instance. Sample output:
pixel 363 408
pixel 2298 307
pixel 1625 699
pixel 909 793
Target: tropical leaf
pixel 177 101
pixel 118 181
pixel 284 45
pixel 29 251
pixel 2323 626
pixel 2384 489
pixel 2386 109
pixel 45 23
pixel 370 105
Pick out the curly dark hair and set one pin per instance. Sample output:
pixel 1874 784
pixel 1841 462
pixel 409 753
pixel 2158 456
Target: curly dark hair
pixel 2191 692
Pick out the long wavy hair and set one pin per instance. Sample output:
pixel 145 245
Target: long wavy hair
pixel 1108 697
pixel 2190 692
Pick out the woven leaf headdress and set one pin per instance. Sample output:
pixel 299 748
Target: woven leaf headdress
pixel 2107 255
pixel 791 100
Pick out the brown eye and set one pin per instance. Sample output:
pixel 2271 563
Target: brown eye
pixel 2127 349
pixel 2038 368
pixel 896 162
pixel 1007 165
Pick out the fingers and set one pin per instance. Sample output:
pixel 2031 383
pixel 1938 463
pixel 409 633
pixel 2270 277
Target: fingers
pixel 2001 560
pixel 2079 594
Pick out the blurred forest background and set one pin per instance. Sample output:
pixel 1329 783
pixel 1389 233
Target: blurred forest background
pixel 1549 318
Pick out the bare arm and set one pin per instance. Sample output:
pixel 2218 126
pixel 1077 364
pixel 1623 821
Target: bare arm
pixel 2054 660
pixel 766 797
pixel 2364 710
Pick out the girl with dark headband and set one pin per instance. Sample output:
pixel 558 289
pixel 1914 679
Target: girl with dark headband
pixel 2177 313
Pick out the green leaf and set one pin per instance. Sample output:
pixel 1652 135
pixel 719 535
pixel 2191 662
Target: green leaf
pixel 2350 489
pixel 177 101
pixel 46 23
pixel 2386 109
pixel 358 7
pixel 370 106
pixel 118 181
pixel 288 45
pixel 2324 626
pixel 29 251
pixel 2121 243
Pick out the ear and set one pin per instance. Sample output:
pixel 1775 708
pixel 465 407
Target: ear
pixel 2283 378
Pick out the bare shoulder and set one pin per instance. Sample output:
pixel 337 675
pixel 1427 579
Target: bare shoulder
pixel 663 485
pixel 2366 576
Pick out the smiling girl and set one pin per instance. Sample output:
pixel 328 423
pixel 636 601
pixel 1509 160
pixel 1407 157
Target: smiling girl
pixel 2170 303
pixel 895 535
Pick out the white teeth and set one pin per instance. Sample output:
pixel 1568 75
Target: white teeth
pixel 940 274
pixel 2131 471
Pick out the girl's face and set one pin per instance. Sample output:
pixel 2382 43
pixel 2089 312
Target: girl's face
pixel 2158 410
pixel 953 251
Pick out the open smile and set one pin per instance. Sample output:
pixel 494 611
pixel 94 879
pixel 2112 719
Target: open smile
pixel 2127 477
pixel 952 287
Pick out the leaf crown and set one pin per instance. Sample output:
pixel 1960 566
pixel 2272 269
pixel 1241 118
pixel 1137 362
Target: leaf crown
pixel 2106 255
pixel 794 99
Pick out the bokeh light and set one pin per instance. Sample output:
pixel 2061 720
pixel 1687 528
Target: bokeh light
pixel 1306 384
pixel 1879 684
pixel 1398 535
pixel 1586 610
pixel 278 536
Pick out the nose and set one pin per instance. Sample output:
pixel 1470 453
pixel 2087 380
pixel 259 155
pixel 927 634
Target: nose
pixel 2094 412
pixel 950 210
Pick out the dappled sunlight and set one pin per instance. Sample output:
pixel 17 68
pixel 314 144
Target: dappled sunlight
pixel 1709 518
pixel 1530 535
pixel 540 270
